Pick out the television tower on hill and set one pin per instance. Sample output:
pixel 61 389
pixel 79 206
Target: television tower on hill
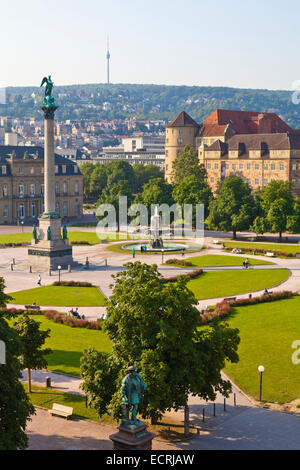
pixel 107 58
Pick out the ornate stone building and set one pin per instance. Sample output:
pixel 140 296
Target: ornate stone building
pixel 259 147
pixel 22 185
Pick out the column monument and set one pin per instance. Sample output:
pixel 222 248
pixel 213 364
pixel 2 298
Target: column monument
pixel 48 248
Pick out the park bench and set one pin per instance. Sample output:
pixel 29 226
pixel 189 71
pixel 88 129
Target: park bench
pixel 61 410
pixel 32 307
pixel 269 253
pixel 230 299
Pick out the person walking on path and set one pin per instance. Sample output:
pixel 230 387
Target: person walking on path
pixel 133 253
pixel 39 280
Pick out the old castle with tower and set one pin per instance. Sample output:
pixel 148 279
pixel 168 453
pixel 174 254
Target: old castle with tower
pixel 259 147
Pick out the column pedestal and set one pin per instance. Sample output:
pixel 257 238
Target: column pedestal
pixel 50 250
pixel 131 437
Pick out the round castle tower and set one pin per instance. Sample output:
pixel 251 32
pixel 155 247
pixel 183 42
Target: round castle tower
pixel 180 132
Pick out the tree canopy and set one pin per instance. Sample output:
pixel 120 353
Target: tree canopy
pixel 233 208
pixel 155 326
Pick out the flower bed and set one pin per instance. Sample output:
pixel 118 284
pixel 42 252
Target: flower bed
pixel 56 317
pixel 225 307
pixel 191 275
pixel 180 262
pixel 262 251
pixel 72 284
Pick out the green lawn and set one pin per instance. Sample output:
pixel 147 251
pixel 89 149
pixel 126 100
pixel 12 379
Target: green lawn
pixel 45 397
pixel 68 344
pixel 221 260
pixel 267 332
pixel 91 237
pixel 265 246
pixel 60 296
pixel 227 283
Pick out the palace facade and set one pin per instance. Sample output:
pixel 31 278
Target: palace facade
pixel 22 185
pixel 259 147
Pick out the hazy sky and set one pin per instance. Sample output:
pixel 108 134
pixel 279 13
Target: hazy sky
pixel 253 44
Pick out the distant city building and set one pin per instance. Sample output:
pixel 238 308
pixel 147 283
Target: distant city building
pixel 259 147
pixel 22 185
pixel 10 138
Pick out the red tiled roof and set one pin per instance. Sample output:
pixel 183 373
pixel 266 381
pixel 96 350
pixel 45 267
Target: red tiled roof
pixel 212 129
pixel 183 120
pixel 248 122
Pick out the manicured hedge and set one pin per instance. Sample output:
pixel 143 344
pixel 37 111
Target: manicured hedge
pixel 72 284
pixel 56 317
pixel 262 251
pixel 191 275
pixel 180 262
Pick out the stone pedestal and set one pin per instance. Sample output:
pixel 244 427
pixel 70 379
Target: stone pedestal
pixel 132 437
pixel 50 250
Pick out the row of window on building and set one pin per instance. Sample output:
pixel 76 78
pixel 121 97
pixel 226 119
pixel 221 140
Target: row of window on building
pixel 58 169
pixel 33 189
pixel 248 166
pixel 33 210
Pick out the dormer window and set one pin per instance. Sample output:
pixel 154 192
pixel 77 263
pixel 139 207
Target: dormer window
pixel 3 169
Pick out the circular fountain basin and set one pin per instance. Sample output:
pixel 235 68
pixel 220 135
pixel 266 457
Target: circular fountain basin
pixel 167 247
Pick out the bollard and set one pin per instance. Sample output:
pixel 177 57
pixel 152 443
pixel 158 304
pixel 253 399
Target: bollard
pixel 224 404
pixel 48 382
pixel 30 269
pixel 214 409
pixel 12 267
pixel 203 412
pixel 69 268
pixel 105 262
pixel 49 272
pixel 234 399
pixel 14 261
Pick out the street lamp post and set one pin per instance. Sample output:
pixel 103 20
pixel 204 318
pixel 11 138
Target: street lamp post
pixel 59 269
pixel 162 256
pixel 261 370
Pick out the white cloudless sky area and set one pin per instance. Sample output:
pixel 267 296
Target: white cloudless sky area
pixel 253 44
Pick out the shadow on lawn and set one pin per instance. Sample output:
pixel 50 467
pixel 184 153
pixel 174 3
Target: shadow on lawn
pixel 66 362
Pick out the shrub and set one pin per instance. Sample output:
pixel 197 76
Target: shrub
pixel 180 262
pixel 72 284
pixel 191 275
pixel 258 251
pixel 80 242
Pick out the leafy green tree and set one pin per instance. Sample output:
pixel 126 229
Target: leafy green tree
pixel 155 325
pixel 156 191
pixel 187 165
pixel 144 173
pixel 293 221
pixel 32 339
pixel 120 170
pixel 97 181
pixel 277 202
pixel 87 169
pixel 193 191
pixel 15 407
pixel 259 225
pixel 111 195
pixel 233 208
